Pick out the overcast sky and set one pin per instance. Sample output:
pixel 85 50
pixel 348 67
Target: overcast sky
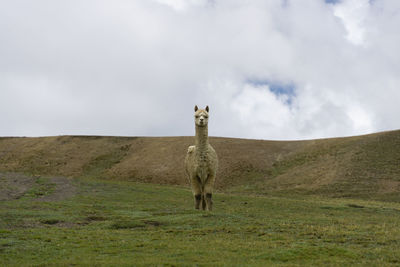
pixel 277 69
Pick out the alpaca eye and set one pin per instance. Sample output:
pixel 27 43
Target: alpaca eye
pixel 197 116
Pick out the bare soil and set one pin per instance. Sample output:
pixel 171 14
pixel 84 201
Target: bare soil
pixel 15 185
pixel 64 189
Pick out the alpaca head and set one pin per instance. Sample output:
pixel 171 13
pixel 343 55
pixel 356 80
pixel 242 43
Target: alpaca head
pixel 201 116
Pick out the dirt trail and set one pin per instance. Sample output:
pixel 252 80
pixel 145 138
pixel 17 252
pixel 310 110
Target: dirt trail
pixel 15 185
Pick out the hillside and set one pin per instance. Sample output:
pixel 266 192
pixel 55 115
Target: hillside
pixel 362 166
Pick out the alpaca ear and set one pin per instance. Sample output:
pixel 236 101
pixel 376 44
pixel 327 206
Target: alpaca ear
pixel 196 108
pixel 207 109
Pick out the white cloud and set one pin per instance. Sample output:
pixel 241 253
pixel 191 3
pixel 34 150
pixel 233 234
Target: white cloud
pixel 139 67
pixel 260 112
pixel 353 14
pixel 182 5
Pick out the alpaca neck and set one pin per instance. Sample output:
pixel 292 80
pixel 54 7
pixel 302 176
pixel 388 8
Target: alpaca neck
pixel 202 138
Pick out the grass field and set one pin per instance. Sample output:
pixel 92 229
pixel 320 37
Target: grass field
pixel 126 223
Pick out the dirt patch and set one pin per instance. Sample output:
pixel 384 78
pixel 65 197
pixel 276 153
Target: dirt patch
pixel 58 223
pixel 153 223
pixel 63 189
pixel 92 218
pixel 15 185
pixel 389 186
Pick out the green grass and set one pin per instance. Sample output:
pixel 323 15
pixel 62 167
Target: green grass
pixel 100 164
pixel 41 188
pixel 120 223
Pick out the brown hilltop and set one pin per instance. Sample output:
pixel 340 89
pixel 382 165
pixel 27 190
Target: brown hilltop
pixel 362 166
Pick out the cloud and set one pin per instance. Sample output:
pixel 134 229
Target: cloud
pixel 267 69
pixel 353 14
pixel 261 112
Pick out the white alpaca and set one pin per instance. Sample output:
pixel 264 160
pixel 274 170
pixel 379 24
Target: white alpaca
pixel 201 162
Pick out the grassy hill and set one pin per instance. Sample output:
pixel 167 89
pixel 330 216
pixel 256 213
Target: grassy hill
pixel 359 167
pixel 83 200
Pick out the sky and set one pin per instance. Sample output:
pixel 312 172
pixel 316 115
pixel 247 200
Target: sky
pixel 268 69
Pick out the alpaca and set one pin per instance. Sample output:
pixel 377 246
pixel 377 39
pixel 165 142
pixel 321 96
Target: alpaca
pixel 201 162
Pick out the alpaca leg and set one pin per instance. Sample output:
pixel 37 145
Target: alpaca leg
pixel 209 201
pixel 197 199
pixel 203 201
pixel 196 189
pixel 208 189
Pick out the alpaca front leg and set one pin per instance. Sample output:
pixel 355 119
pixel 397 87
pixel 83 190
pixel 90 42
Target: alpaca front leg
pixel 209 202
pixel 196 189
pixel 208 190
pixel 198 200
pixel 203 201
